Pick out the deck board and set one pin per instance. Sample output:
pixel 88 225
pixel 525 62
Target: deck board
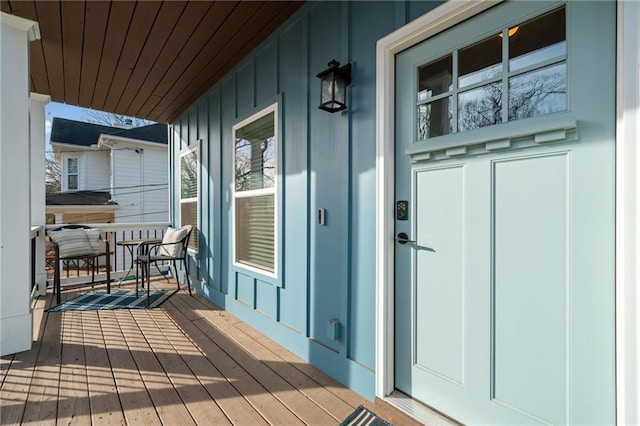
pixel 196 399
pixel 16 384
pixel 283 380
pixel 103 395
pixel 42 399
pixel 271 410
pixel 187 362
pixel 168 404
pixel 231 402
pixel 134 398
pixel 73 391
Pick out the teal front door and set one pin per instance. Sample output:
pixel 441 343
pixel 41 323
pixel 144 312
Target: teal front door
pixel 504 282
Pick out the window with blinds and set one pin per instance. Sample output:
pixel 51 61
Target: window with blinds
pixel 255 191
pixel 189 194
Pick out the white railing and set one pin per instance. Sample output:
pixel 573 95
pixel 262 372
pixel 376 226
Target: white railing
pixel 122 266
pixel 35 233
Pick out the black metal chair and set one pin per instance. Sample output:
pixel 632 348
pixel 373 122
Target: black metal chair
pixel 172 248
pixel 75 243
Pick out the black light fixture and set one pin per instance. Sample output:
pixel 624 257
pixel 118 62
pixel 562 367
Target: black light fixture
pixel 333 86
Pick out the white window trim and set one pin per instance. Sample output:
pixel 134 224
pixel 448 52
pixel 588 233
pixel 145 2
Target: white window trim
pixel 627 219
pixel 185 152
pixel 273 108
pixel 76 174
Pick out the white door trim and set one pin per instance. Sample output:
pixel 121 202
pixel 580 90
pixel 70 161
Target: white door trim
pixel 435 21
pixel 627 210
pixel 627 193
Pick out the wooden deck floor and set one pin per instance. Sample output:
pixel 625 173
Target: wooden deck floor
pixel 187 362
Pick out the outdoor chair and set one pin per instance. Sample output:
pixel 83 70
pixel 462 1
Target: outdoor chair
pixel 172 248
pixel 79 243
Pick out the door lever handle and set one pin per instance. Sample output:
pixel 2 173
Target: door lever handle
pixel 403 238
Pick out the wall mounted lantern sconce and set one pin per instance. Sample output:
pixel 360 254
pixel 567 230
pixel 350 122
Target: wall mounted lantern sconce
pixel 333 86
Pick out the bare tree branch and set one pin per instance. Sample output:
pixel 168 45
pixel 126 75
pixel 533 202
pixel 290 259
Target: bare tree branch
pixel 53 174
pixel 114 120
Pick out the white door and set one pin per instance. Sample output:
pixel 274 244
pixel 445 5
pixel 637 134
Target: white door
pixel 504 220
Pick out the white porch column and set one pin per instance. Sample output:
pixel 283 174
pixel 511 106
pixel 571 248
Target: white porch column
pixel 15 244
pixel 628 215
pixel 38 196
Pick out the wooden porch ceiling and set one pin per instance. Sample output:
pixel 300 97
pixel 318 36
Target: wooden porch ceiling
pixel 145 59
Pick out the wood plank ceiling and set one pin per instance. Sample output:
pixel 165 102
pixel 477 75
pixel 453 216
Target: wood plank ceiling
pixel 145 59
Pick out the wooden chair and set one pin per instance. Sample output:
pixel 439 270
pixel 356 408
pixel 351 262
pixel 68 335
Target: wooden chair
pixel 172 248
pixel 79 243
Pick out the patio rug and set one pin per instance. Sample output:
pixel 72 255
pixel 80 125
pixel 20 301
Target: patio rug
pixel 116 300
pixel 363 416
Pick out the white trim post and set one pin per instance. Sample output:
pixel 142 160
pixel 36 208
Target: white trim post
pixel 15 228
pixel 38 192
pixel 627 211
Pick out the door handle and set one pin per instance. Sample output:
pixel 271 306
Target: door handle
pixel 403 238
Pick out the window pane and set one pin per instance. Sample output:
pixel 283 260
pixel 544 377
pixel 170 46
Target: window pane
pixel 480 107
pixel 480 62
pixel 256 154
pixel 255 232
pixel 435 78
pixel 537 40
pixel 189 175
pixel 435 119
pixel 538 92
pixel 73 182
pixel 189 216
pixel 72 165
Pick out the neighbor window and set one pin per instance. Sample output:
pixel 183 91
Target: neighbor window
pixel 189 194
pixel 255 191
pixel 477 86
pixel 72 173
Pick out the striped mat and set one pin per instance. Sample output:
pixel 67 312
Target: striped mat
pixel 116 300
pixel 364 417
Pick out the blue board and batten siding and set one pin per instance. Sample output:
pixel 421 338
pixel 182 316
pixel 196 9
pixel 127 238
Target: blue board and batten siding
pixel 325 161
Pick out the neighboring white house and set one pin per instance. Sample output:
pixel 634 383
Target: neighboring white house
pixel 110 174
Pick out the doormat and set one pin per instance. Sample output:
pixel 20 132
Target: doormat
pixel 363 416
pixel 117 300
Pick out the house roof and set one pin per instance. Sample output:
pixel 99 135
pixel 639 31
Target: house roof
pixel 79 198
pixel 146 59
pixel 86 134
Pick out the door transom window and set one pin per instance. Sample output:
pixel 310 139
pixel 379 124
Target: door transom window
pixel 517 73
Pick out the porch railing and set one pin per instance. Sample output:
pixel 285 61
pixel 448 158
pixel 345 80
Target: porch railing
pixel 122 266
pixel 36 232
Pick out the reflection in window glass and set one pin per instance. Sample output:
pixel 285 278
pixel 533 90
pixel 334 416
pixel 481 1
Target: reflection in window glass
pixel 538 92
pixel 538 40
pixel 481 61
pixel 435 78
pixel 255 155
pixel 480 107
pixel 189 175
pixel 72 173
pixel 434 119
pixel 464 90
pixel 189 194
pixel 73 165
pixel 73 182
